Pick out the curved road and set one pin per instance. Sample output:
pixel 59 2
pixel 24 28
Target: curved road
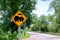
pixel 42 36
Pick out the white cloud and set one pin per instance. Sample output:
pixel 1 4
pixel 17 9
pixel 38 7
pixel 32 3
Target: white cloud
pixel 42 7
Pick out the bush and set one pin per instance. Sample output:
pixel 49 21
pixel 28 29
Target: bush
pixel 8 35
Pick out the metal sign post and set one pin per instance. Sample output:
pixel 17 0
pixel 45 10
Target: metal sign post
pixel 19 33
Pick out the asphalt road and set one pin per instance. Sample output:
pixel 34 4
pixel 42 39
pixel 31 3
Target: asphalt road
pixel 42 36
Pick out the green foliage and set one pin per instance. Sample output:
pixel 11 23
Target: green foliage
pixel 14 36
pixel 8 36
pixel 50 23
pixel 45 23
pixel 40 24
pixel 24 36
pixel 35 23
pixel 10 7
pixel 56 6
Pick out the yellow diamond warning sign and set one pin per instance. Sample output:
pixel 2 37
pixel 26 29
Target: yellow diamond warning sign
pixel 19 18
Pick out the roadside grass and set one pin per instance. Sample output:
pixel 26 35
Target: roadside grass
pixel 52 33
pixel 14 36
pixel 24 36
pixel 56 34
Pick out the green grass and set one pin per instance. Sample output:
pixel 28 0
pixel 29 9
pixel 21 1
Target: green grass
pixel 14 36
pixel 24 36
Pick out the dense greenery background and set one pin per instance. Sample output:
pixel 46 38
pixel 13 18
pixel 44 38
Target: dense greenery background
pixel 8 29
pixel 50 23
pixel 9 8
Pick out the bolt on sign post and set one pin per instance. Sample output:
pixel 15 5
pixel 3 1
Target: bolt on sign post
pixel 19 18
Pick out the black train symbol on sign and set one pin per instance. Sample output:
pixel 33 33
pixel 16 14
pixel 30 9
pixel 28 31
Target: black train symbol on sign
pixel 17 18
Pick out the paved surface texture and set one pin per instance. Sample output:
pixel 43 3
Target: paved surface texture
pixel 42 36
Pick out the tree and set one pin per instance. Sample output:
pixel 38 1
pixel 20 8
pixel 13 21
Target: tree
pixel 44 23
pixel 40 24
pixel 56 5
pixel 10 7
pixel 35 26
pixel 51 23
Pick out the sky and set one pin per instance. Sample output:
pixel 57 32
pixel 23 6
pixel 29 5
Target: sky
pixel 42 8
